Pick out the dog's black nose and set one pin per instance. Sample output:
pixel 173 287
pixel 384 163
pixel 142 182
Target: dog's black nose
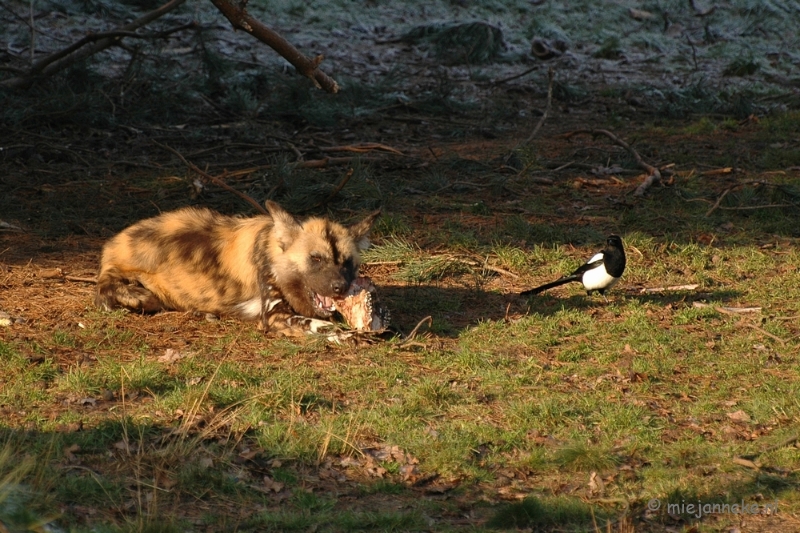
pixel 339 287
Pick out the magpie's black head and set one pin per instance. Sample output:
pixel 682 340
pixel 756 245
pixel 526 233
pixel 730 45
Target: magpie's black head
pixel 614 241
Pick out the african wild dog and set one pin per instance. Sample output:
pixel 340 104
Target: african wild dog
pixel 273 267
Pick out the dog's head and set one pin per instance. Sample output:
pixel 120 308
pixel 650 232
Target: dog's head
pixel 314 261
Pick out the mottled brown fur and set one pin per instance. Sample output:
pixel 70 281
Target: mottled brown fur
pixel 265 267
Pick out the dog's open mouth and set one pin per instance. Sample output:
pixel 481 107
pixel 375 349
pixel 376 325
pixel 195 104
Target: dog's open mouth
pixel 324 305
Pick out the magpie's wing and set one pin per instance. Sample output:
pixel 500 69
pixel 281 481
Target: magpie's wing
pixel 594 262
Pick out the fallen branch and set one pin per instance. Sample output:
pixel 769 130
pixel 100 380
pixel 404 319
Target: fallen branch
pixel 85 47
pixel 654 175
pixel 240 19
pixel 215 180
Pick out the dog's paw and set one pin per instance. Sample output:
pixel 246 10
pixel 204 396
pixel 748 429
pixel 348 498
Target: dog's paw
pixel 310 325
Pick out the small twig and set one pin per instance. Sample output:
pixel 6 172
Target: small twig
pixel 115 35
pixel 9 227
pixel 750 463
pixel 550 77
pixel 361 148
pixel 717 171
pixel 79 51
pixel 78 278
pixel 411 336
pixel 484 265
pixel 743 184
pixel 565 165
pixel 728 310
pixel 328 161
pixel 748 207
pixel 499 270
pixel 514 77
pixel 767 333
pixel 694 51
pixel 33 35
pixel 719 200
pixel 297 153
pixel 783 444
pixel 337 189
pixel 380 263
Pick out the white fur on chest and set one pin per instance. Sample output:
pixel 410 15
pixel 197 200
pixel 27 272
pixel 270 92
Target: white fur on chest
pixel 251 309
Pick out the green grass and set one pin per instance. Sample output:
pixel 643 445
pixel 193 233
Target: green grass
pixel 641 392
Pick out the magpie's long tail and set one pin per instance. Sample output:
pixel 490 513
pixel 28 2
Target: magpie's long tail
pixel 556 283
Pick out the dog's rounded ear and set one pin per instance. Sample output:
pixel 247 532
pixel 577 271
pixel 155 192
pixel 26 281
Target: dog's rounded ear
pixel 280 215
pixel 284 225
pixel 360 230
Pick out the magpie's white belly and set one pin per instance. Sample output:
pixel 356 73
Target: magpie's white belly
pixel 598 278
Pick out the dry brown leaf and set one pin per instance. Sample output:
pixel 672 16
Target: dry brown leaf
pixel 739 416
pixel 640 14
pixel 596 485
pixel 271 485
pixel 745 462
pixel 170 356
pixel 247 454
pixel 122 446
pixel 69 453
pixel 164 480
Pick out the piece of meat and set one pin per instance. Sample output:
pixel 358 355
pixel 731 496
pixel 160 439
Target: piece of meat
pixel 361 308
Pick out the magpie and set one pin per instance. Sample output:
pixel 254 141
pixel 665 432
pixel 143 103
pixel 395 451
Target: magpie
pixel 601 272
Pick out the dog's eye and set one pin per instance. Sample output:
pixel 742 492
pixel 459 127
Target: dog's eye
pixel 316 258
